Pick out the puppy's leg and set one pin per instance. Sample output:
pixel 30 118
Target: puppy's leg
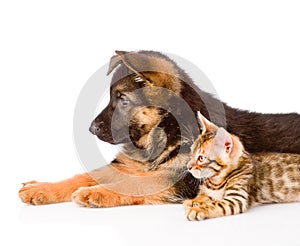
pixel 129 190
pixel 38 193
pixel 99 197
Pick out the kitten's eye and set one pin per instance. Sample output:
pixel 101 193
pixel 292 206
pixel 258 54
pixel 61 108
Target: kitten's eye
pixel 201 158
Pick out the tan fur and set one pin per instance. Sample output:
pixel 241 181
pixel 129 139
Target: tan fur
pixel 168 80
pixel 156 184
pixel 148 117
pixel 162 72
pixel 112 177
pixel 38 193
pixel 154 73
pixel 99 196
pixel 132 174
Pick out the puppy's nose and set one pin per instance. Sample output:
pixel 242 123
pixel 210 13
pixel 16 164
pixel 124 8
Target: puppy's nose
pixel 94 129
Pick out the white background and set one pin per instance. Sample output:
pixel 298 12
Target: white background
pixel 249 50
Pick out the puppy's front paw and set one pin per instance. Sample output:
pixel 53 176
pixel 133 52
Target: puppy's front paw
pixel 96 197
pixel 82 196
pixel 35 193
pixel 92 197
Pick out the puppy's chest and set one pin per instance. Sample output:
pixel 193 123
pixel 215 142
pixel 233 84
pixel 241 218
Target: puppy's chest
pixel 214 194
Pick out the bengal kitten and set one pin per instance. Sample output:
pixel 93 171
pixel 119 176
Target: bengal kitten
pixel 234 180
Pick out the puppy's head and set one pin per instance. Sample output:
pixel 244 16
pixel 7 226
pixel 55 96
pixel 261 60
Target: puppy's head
pixel 143 90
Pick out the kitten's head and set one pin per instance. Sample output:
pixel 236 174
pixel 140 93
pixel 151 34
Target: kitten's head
pixel 214 151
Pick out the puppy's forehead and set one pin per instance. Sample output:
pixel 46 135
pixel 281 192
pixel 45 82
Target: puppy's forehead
pixel 126 84
pixel 158 68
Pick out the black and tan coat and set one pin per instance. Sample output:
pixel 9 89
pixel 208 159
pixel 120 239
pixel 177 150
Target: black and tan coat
pixel 146 95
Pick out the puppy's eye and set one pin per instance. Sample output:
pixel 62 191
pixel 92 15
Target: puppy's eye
pixel 201 158
pixel 124 101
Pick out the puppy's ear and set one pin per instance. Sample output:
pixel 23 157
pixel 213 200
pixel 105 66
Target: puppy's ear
pixel 114 62
pixel 150 68
pixel 135 62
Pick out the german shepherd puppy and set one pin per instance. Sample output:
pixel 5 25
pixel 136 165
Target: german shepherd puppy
pixel 157 132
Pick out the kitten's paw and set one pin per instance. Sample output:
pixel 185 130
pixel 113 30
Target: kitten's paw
pixel 195 214
pixel 188 204
pixel 194 203
pixel 35 193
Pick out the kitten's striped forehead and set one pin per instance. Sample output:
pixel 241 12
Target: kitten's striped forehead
pixel 206 137
pixel 202 139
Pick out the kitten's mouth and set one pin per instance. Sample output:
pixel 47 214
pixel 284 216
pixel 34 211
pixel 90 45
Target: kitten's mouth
pixel 196 173
pixel 203 174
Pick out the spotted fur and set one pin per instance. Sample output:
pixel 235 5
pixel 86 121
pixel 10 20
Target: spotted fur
pixel 234 180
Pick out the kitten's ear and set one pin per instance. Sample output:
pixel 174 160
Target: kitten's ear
pixel 205 125
pixel 224 141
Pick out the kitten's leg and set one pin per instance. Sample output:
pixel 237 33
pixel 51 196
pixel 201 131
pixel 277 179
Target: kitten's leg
pixel 197 201
pixel 234 202
pixel 214 209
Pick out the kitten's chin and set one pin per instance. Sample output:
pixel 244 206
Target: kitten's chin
pixel 201 174
pixel 196 173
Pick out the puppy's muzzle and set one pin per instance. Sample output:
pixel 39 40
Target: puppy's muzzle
pixel 94 128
